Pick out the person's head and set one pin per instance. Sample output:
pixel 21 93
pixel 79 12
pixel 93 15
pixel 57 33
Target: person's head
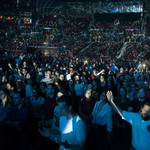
pixel 11 78
pixel 5 96
pixel 24 71
pixel 145 112
pixel 24 63
pixel 122 92
pixel 88 93
pixel 71 82
pixel 34 64
pixel 48 74
pixel 94 82
pixel 57 73
pixel 94 71
pixel 141 93
pixel 51 90
pixel 121 70
pixel 28 76
pixel 77 79
pixel 85 80
pixel 42 85
pixel 102 78
pixel 125 83
pixel 11 86
pixel 110 79
pixel 71 69
pixel 18 98
pixel 37 91
pixel 121 78
pixel 61 93
pixel 61 77
pixel 84 73
pixel 30 81
pixel 103 96
pixel 4 79
pixel 65 104
pixel 111 73
pixel 134 87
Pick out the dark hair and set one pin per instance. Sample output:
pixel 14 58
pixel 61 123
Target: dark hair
pixel 143 89
pixel 135 84
pixel 22 94
pixel 54 86
pixel 112 81
pixel 48 70
pixel 38 90
pixel 7 97
pixel 13 84
pixel 65 98
pixel 119 98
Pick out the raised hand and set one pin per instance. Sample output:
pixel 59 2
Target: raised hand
pixel 109 96
pixel 9 65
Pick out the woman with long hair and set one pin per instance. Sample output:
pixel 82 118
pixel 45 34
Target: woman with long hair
pixel 5 98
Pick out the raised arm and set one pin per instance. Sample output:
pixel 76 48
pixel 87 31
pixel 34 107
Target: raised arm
pixel 115 107
pixel 15 72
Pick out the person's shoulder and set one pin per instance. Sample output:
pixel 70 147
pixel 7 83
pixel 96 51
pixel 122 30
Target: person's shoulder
pixel 78 120
pixel 62 118
pixel 131 114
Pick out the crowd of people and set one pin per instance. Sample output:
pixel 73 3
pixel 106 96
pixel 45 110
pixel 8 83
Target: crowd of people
pixel 69 102
pixel 82 97
pixel 75 34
